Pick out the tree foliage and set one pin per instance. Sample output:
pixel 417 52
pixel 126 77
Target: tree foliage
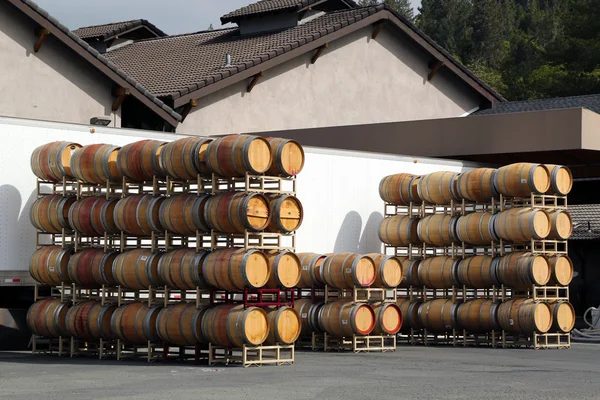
pixel 403 7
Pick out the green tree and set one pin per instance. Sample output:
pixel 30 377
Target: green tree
pixel 403 7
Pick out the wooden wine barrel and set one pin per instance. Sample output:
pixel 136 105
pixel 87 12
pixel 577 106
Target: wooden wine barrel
pixel 347 270
pixel 477 272
pixel 137 269
pixel 311 275
pixel 236 155
pixel 49 265
pixel 438 315
pixel 90 321
pixel 286 214
pixel 521 225
pixel 139 161
pixel 308 310
pixel 438 272
pixel 398 189
pixel 563 317
pixel 409 310
pixel 52 161
pixel 388 270
pixel 135 323
pixel 522 179
pixel 414 191
pixel 139 215
pixel 288 157
pixel 399 231
pixel 51 213
pixel 285 269
pixel 234 212
pixel 561 270
pixel 284 325
pixel 524 316
pixel 343 318
pixel 185 159
pixel 96 163
pixel 477 185
pixel 522 270
pixel 438 187
pixel 236 269
pixel 93 216
pixel 561 180
pixel 92 268
pixel 184 214
pixel 48 318
pixel 233 325
pixel 388 318
pixel 478 316
pixel 410 273
pixel 182 269
pixel 437 230
pixel 476 228
pixel 561 225
pixel 181 324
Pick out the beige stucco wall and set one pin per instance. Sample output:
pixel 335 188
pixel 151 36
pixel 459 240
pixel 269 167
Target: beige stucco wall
pixel 356 81
pixel 53 84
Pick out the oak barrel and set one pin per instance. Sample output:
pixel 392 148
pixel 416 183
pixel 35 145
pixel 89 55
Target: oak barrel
pixel 308 310
pixel 90 321
pixel 92 268
pixel 438 187
pixel 524 316
pixel 234 212
pixel 139 215
pixel 135 323
pixel 561 270
pixel 343 318
pixel 49 265
pixel 284 325
pixel 521 225
pixel 139 161
pixel 52 161
pixel 233 325
pixel 388 270
pixel 410 273
pixel 477 272
pixel 563 317
pixel 561 225
pixel 96 163
pixel 478 316
pixel 288 157
pixel 48 318
pixel 477 185
pixel 438 315
pixel 311 275
pixel 409 310
pixel 561 180
pixel 185 159
pixel 184 214
pixel 437 230
pixel 50 213
pixel 388 318
pixel 476 228
pixel 286 213
pixel 347 270
pixel 285 269
pixel 399 231
pixel 236 155
pixel 236 269
pixel 438 272
pixel 522 270
pixel 137 269
pixel 399 189
pixel 182 269
pixel 93 216
pixel 522 179
pixel 181 324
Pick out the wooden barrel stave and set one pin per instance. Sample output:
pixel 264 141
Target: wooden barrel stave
pixel 92 268
pixel 561 225
pixel 477 185
pixel 184 214
pixel 477 272
pixel 311 274
pixel 182 269
pixel 521 225
pixel 235 212
pixel 236 269
pixel 137 269
pixel 522 179
pixel 52 161
pixel 438 187
pixel 522 270
pixel 93 216
pixel 49 265
pixel 561 270
pixel 308 310
pixel 236 155
pixel 48 318
pixel 234 326
pixel 348 270
pixel 478 315
pixel 135 323
pixel 438 315
pixel 524 316
pixel 437 230
pixel 139 161
pixel 284 325
pixel 90 321
pixel 288 157
pixel 50 213
pixel 563 317
pixel 438 272
pixel 285 212
pixel 185 159
pixel 476 228
pixel 397 189
pixel 388 318
pixel 343 318
pixel 399 231
pixel 139 215
pixel 181 324
pixel 96 164
pixel 410 273
pixel 561 180
pixel 286 270
pixel 388 270
pixel 409 310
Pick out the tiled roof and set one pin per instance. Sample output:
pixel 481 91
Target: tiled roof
pixel 591 102
pixel 108 30
pixel 274 6
pixel 586 221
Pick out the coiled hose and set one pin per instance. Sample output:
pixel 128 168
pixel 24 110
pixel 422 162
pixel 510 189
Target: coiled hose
pixel 591 334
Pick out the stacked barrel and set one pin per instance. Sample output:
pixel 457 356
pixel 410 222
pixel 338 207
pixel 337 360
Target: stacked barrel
pixel 484 254
pixel 167 245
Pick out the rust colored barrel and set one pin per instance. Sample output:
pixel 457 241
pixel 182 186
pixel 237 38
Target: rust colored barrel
pixel 184 214
pixel 476 228
pixel 181 324
pixel 139 215
pixel 561 180
pixel 343 318
pixel 139 161
pixel 137 269
pixel 284 325
pixel 399 189
pixel 561 225
pixel 563 317
pixel 520 225
pixel 236 155
pixel 51 213
pixel 286 214
pixel 438 272
pixel 311 275
pixel 92 268
pixel 388 318
pixel 388 270
pixel 410 273
pixel 438 230
pixel 52 161
pixel 478 316
pixel 185 159
pixel 438 187
pixel 93 216
pixel 90 321
pixel 182 269
pixel 234 212
pixel 308 310
pixel 135 323
pixel 236 269
pixel 409 310
pixel 524 316
pixel 438 315
pixel 285 269
pixel 477 185
pixel 477 272
pixel 399 231
pixel 96 163
pixel 522 270
pixel 347 270
pixel 48 318
pixel 288 157
pixel 50 265
pixel 561 270
pixel 233 325
pixel 522 179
